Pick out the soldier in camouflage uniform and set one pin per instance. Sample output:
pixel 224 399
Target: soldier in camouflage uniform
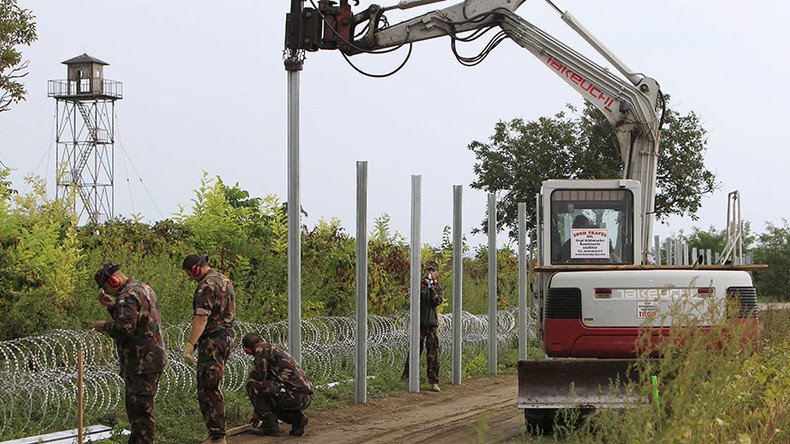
pixel 137 331
pixel 277 387
pixel 214 308
pixel 430 298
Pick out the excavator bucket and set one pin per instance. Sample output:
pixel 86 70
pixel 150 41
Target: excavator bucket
pixel 574 383
pixel 545 387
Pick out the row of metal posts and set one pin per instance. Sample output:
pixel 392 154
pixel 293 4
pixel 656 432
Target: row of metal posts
pixel 677 253
pixel 294 59
pixel 415 280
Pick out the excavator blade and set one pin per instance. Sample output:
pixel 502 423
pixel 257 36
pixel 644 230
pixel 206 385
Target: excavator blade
pixel 586 384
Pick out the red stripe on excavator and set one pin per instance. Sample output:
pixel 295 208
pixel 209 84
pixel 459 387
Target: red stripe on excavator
pixel 570 338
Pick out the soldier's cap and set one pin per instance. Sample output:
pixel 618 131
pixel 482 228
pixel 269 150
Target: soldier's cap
pixel 107 269
pixel 431 265
pixel 194 259
pixel 251 340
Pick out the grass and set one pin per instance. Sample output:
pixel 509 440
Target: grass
pixel 716 387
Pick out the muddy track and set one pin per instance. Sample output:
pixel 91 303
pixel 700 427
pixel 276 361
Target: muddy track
pixel 479 408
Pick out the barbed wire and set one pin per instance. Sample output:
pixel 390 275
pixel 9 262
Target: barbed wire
pixel 38 375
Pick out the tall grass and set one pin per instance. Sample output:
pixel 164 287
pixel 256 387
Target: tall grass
pixel 716 387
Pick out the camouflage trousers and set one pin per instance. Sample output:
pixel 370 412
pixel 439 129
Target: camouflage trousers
pixel 272 401
pixel 213 351
pixel 140 394
pixel 429 339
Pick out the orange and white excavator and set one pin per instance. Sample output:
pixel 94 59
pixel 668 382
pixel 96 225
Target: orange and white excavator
pixel 596 284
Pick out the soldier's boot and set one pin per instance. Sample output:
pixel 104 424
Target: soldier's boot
pixel 268 427
pixel 297 426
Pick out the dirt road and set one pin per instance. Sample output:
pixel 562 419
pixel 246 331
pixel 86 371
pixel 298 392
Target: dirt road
pixel 459 414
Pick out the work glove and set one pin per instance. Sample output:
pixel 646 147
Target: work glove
pixel 104 299
pixel 189 354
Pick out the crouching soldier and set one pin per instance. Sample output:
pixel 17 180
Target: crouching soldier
pixel 137 330
pixel 277 387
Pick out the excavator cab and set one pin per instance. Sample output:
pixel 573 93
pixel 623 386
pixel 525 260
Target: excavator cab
pixel 592 226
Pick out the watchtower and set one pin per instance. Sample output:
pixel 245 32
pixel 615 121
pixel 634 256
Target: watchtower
pixel 85 137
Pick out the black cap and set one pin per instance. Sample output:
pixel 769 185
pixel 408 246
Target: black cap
pixel 431 265
pixel 104 273
pixel 193 259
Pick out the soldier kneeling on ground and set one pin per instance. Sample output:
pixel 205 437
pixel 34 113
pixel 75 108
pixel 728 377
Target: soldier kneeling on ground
pixel 277 387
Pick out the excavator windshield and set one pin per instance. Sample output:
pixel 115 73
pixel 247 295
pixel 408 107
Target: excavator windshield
pixel 592 226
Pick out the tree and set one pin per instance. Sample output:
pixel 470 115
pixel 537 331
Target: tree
pixel 774 250
pixel 16 28
pixel 716 239
pixel 521 155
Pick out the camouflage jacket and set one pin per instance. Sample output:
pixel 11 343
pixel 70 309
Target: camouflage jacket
pixel 215 298
pixel 137 329
pixel 430 298
pixel 273 363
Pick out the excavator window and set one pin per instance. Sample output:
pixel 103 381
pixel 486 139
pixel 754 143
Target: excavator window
pixel 592 226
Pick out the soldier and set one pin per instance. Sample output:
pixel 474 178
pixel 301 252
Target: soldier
pixel 430 298
pixel 137 331
pixel 277 387
pixel 214 308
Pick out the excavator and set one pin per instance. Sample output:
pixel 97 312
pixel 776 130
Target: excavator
pixel 597 286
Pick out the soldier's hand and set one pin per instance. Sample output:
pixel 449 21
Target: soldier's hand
pixel 104 299
pixel 189 354
pixel 255 421
pixel 99 325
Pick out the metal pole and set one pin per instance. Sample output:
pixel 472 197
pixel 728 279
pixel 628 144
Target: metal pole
pixel 708 257
pixel 458 279
pixel 294 63
pixel 668 248
pixel 522 281
pixel 362 283
pixel 492 281
pixel 694 256
pixel 79 396
pixel 414 306
pixel 740 230
pixel 294 222
pixel 657 246
pixel 678 252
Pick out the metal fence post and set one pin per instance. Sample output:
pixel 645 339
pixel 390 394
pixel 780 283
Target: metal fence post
pixel 458 279
pixel 362 284
pixel 492 285
pixel 522 281
pixel 414 294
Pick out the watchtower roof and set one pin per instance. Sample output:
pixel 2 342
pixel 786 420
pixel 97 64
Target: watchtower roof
pixel 84 58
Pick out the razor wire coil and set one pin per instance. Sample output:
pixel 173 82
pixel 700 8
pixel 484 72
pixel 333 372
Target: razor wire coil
pixel 38 375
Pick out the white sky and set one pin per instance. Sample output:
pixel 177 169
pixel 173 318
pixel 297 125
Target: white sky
pixel 205 89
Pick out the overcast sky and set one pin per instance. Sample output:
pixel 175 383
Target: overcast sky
pixel 205 89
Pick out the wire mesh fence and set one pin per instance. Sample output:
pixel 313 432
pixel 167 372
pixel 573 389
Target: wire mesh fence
pixel 38 375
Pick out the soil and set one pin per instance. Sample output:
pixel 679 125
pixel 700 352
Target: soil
pixel 478 410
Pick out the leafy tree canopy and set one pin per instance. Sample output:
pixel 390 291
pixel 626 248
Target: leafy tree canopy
pixel 716 239
pixel 16 29
pixel 774 250
pixel 521 155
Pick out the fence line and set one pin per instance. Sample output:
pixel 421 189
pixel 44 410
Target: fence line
pixel 38 375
